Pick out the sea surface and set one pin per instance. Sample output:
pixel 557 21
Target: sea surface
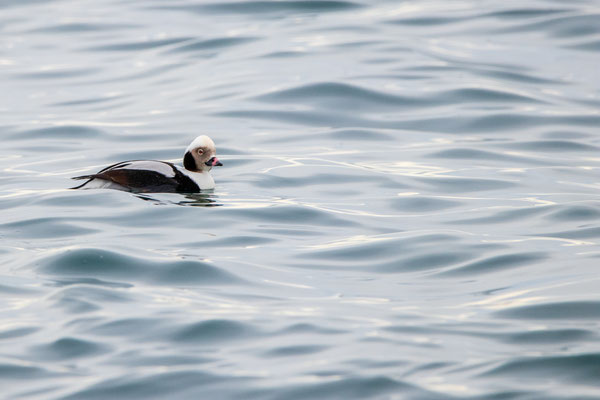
pixel 409 206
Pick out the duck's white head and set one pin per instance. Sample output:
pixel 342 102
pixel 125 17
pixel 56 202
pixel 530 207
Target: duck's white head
pixel 200 155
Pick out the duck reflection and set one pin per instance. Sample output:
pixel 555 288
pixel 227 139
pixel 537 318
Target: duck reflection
pixel 191 200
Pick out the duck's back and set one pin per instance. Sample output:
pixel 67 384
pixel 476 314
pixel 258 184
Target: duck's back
pixel 143 176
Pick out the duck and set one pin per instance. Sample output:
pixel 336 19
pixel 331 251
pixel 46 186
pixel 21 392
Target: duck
pixel 152 176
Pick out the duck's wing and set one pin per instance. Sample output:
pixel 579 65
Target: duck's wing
pixel 139 176
pixel 163 167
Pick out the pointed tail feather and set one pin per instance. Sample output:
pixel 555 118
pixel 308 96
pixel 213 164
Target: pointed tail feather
pixel 83 177
pixel 88 177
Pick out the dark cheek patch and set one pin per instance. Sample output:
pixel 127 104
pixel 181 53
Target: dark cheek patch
pixel 188 162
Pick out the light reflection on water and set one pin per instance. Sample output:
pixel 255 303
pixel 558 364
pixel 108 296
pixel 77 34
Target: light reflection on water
pixel 408 206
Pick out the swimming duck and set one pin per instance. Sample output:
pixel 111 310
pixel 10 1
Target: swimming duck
pixel 150 176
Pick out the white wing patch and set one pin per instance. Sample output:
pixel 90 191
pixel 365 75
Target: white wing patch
pixel 157 166
pixel 102 184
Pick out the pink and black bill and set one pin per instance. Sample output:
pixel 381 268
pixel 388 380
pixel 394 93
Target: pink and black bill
pixel 214 162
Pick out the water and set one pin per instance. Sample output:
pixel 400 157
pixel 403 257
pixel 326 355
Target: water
pixel 408 208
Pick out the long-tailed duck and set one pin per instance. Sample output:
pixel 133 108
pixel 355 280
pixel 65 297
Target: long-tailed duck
pixel 149 176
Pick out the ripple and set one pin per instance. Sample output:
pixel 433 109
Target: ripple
pixel 289 215
pixel 81 298
pixel 87 101
pixel 551 146
pixel 310 328
pixel 498 122
pixel 512 76
pixel 267 7
pixel 575 213
pixel 73 27
pixel 232 241
pixel 74 305
pixel 351 388
pixel 139 75
pixel 21 3
pixel 345 96
pixel 562 27
pixel 485 95
pixel 80 199
pixel 8 289
pixel 143 45
pixel 504 216
pixel 356 134
pixel 581 233
pixel 15 371
pixel 496 264
pixel 581 368
pixel 359 251
pixel 303 118
pixel 138 359
pixel 112 265
pixel 338 92
pixel 527 12
pixel 423 262
pixel 593 45
pixel 298 350
pixel 465 185
pixel 491 123
pixel 377 251
pixel 91 281
pixel 18 332
pixel 45 228
pixel 284 54
pixel 128 327
pixel 423 204
pixel 211 331
pixel 69 348
pixel 428 21
pixel 58 73
pixel 272 181
pixel 211 44
pixel 563 310
pixel 474 154
pixel 57 132
pixel 391 191
pixel 191 384
pixel 550 336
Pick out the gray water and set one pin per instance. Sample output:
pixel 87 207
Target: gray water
pixel 408 207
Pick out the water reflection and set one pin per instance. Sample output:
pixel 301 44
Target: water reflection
pixel 191 200
pixel 410 203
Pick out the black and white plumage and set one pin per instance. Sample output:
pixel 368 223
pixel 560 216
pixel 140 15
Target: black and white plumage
pixel 150 176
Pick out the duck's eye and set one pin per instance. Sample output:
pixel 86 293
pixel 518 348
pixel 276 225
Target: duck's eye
pixel 200 152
